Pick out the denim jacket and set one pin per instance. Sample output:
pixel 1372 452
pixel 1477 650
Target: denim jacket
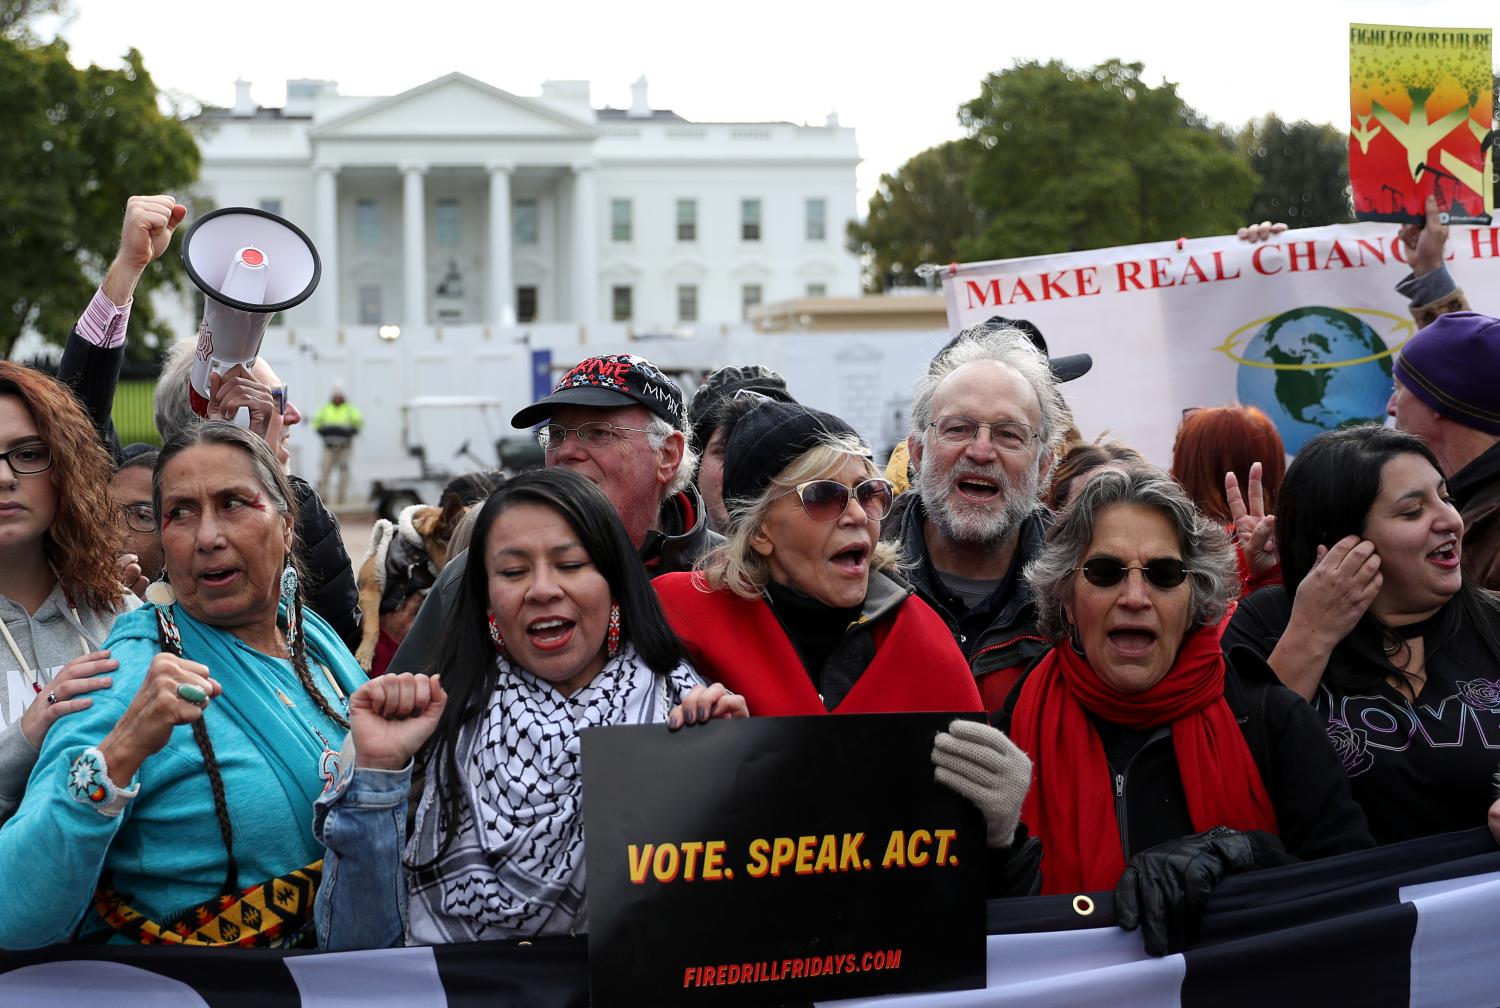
pixel 361 822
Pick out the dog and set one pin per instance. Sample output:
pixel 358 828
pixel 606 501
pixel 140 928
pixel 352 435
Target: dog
pixel 404 559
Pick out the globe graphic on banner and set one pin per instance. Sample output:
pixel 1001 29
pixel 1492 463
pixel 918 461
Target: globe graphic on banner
pixel 1315 369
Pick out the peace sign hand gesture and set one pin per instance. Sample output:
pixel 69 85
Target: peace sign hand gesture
pixel 1254 530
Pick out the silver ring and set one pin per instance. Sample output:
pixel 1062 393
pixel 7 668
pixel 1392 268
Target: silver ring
pixel 51 696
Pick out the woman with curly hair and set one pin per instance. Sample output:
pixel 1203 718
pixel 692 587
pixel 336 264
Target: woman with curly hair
pixel 59 590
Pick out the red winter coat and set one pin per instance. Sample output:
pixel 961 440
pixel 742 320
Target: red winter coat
pixel 739 642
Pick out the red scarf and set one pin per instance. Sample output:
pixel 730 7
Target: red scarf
pixel 1071 803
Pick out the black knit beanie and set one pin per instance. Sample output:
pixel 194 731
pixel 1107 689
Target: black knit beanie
pixel 767 439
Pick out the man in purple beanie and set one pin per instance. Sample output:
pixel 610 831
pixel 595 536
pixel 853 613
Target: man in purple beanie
pixel 1448 394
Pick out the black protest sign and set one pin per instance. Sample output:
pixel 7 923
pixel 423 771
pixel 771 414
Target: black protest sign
pixel 763 860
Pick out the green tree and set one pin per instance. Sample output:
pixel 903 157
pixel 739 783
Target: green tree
pixel 1303 169
pixel 75 145
pixel 920 214
pixel 1080 159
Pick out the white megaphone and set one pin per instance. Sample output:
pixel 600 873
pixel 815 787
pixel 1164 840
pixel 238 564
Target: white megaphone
pixel 249 264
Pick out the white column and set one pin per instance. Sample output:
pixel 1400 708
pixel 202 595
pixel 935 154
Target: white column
pixel 502 307
pixel 328 239
pixel 414 241
pixel 585 238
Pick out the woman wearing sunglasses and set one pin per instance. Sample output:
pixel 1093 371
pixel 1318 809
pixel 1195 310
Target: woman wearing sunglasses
pixel 59 588
pixel 801 611
pixel 1137 742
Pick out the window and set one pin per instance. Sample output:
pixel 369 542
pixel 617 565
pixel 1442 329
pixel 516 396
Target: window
pixel 687 302
pixel 619 220
pixel 525 304
pixel 817 290
pixel 446 222
pixel 750 220
pixel 370 312
pixel 817 219
pixel 271 206
pixel 523 220
pixel 687 220
pixel 367 223
pixel 620 303
pixel 750 295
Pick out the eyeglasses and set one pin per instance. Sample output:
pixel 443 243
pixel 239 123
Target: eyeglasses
pixel 596 434
pixel 278 396
pixel 1006 435
pixel 27 459
pixel 825 499
pixel 141 517
pixel 1107 571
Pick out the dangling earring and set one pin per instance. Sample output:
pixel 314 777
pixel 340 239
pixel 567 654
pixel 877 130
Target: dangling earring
pixel 495 637
pixel 612 639
pixel 1072 634
pixel 289 599
pixel 159 592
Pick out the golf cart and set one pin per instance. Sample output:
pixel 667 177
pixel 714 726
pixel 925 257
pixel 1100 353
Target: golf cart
pixel 423 422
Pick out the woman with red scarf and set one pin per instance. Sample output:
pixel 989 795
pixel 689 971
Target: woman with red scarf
pixel 1150 776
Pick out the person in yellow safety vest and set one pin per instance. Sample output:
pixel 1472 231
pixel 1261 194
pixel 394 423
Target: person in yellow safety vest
pixel 337 423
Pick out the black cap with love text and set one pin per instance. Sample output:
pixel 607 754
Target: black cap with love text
pixel 610 381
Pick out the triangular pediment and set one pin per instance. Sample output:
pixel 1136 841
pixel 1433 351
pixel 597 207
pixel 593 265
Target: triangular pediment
pixel 456 105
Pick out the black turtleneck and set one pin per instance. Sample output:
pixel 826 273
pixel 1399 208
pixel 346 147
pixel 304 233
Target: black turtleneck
pixel 815 630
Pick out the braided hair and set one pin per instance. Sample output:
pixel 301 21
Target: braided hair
pixel 278 490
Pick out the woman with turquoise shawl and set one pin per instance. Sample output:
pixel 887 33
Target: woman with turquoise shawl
pixel 178 807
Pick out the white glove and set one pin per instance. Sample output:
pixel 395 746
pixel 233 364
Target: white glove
pixel 981 764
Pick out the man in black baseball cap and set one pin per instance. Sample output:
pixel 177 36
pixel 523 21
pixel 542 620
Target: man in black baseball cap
pixel 618 421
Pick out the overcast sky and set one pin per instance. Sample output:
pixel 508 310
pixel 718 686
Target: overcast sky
pixel 895 71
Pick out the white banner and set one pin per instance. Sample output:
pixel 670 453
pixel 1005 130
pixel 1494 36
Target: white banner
pixel 1303 326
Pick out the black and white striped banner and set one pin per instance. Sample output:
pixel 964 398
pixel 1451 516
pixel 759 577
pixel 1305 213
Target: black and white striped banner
pixel 1410 924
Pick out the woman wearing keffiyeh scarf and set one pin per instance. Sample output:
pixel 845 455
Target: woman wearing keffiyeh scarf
pixel 555 631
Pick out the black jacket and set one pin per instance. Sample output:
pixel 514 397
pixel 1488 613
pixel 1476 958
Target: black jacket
pixel 683 538
pixel 329 589
pixel 1476 494
pixel 93 373
pixel 999 644
pixel 1316 814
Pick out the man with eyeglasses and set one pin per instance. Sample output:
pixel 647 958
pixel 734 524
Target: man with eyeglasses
pixel 130 490
pixel 621 423
pixel 986 421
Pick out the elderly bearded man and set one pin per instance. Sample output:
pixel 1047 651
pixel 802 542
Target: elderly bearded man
pixel 621 423
pixel 986 421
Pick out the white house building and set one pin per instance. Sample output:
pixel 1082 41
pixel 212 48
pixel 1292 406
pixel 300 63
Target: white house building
pixel 456 203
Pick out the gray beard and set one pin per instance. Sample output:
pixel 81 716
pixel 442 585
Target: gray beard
pixel 969 524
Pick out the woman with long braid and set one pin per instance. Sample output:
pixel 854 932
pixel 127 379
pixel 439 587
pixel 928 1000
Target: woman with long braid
pixel 168 808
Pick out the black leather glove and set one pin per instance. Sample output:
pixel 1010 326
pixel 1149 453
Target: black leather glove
pixel 1165 889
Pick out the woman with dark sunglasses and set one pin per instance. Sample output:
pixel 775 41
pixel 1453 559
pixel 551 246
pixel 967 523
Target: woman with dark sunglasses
pixel 1155 773
pixel 802 610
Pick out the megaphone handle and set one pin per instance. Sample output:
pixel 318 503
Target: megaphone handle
pixel 242 417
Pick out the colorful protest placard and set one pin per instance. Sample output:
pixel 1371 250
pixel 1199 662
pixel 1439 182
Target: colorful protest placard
pixel 1421 122
pixel 773 860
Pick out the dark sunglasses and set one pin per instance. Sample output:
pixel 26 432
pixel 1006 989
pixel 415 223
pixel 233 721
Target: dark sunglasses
pixel 1106 572
pixel 278 396
pixel 825 499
